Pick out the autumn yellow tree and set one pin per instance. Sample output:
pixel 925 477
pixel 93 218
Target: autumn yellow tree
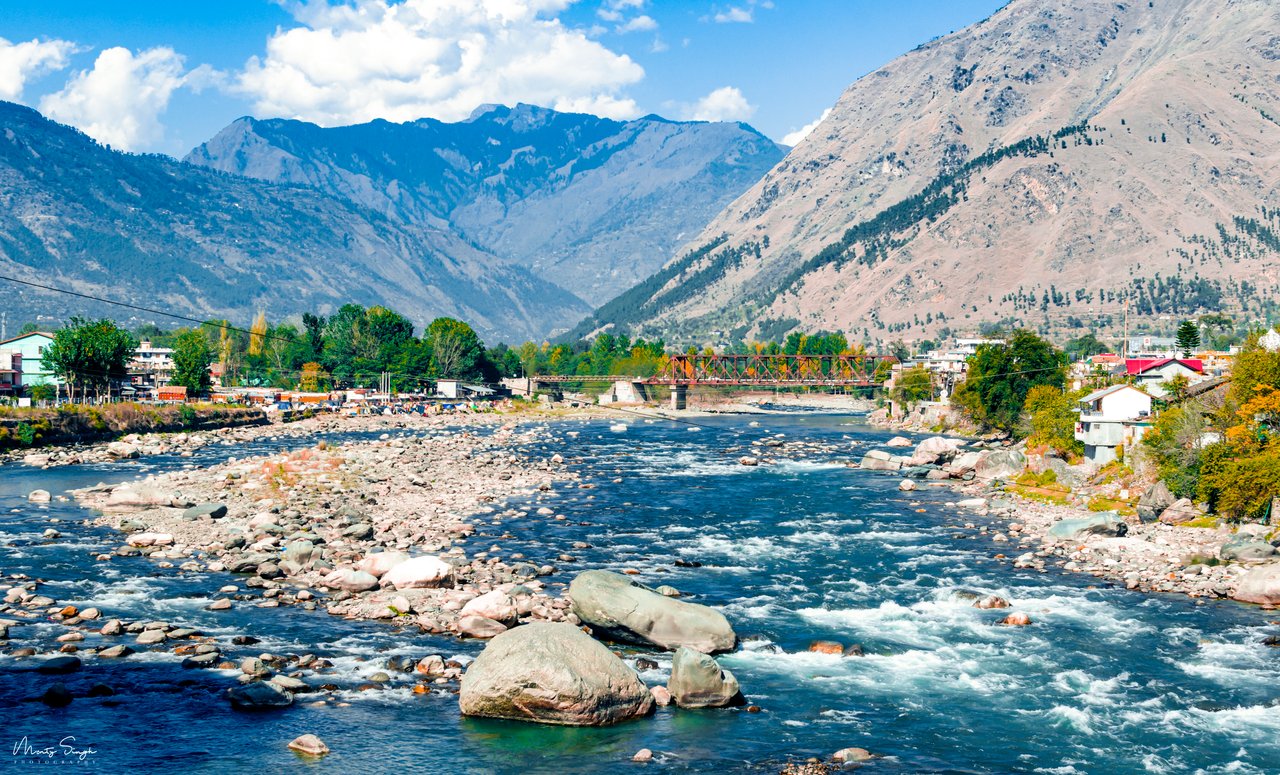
pixel 258 334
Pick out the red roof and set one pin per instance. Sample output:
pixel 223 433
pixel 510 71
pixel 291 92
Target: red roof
pixel 1135 366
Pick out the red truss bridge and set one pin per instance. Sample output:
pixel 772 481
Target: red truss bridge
pixel 681 372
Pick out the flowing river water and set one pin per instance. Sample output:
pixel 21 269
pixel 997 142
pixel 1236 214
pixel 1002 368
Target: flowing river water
pixel 1104 681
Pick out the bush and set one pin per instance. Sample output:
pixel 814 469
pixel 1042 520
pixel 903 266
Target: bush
pixel 1053 421
pixel 187 415
pixel 26 434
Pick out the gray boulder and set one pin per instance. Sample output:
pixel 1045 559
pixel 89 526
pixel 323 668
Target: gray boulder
pixel 870 463
pixel 299 552
pixel 1260 585
pixel 1246 548
pixel 552 673
pixel 1106 523
pixel 1154 501
pixel 1000 464
pixel 698 681
pixel 210 510
pixel 626 611
pixel 259 696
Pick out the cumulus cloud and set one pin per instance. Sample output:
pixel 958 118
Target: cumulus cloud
pixel 371 59
pixel 119 100
pixel 795 137
pixel 724 104
pixel 734 14
pixel 20 62
pixel 639 24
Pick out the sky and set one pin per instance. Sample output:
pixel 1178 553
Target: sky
pixel 148 76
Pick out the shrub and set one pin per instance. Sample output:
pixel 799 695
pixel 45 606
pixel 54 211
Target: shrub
pixel 26 434
pixel 187 415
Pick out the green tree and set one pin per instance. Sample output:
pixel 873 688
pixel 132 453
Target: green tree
pixel 912 386
pixel 456 350
pixel 1084 347
pixel 1052 415
pixel 192 356
pixel 1188 338
pixel 1000 376
pixel 89 355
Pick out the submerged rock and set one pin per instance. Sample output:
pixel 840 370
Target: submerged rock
pixel 259 696
pixel 627 611
pixel 552 673
pixel 309 745
pixel 698 681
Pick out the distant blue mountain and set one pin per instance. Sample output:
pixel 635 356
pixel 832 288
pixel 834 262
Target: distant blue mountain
pixel 590 204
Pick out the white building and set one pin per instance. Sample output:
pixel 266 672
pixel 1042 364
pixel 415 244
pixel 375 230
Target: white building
pixel 152 365
pixel 1117 415
pixel 1151 374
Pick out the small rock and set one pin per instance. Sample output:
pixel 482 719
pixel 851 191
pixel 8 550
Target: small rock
pixel 1016 620
pixel 643 755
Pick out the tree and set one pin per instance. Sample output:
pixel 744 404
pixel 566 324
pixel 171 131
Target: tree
pixel 192 356
pixel 1053 420
pixel 1188 338
pixel 913 386
pixel 258 334
pixel 456 349
pixel 312 377
pixel 1000 376
pixel 89 354
pixel 1084 347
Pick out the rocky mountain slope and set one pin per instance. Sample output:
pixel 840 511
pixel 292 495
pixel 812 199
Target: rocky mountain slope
pixel 1049 165
pixel 153 231
pixel 590 204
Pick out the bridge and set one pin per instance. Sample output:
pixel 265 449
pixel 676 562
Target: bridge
pixel 680 372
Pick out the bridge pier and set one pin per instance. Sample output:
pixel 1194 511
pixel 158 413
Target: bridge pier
pixel 679 398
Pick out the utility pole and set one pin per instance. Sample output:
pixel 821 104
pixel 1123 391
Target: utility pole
pixel 1124 345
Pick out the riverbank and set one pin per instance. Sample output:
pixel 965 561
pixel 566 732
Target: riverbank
pixel 1002 503
pixel 24 430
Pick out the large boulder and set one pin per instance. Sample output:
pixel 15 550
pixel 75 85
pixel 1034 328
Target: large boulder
pixel 698 681
pixel 552 673
pixel 935 449
pixel 1106 523
pixel 1000 464
pixel 379 563
pixel 627 611
pixel 1261 585
pixel 122 450
pixel 139 495
pixel 496 605
pixel 350 580
pixel 870 463
pixel 1154 501
pixel 1180 511
pixel 1246 548
pixel 418 572
pixel 210 510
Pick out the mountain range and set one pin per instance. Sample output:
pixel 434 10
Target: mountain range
pixel 468 219
pixel 1054 165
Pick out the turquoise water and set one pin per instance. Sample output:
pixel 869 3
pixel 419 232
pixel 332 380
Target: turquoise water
pixel 1104 681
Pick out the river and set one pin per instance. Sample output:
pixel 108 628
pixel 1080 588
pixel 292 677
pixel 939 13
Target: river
pixel 1104 681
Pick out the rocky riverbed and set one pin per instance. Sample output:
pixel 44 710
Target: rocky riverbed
pixel 1161 553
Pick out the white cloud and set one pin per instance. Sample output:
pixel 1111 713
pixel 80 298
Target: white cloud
pixel 119 101
pixel 795 137
pixel 440 58
pixel 724 104
pixel 20 62
pixel 639 24
pixel 735 14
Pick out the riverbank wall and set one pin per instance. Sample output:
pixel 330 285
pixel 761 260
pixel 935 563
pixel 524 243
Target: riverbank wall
pixel 34 428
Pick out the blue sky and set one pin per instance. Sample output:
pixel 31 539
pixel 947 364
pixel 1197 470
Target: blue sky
pixel 152 76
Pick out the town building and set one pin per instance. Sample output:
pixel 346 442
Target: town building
pixel 1110 417
pixel 151 366
pixel 1152 347
pixel 32 346
pixel 1152 374
pixel 948 367
pixel 10 373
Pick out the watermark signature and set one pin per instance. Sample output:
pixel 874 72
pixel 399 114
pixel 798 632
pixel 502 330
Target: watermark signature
pixel 65 751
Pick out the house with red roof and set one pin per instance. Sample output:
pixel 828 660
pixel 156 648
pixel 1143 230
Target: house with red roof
pixel 1152 374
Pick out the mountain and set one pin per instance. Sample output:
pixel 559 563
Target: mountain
pixel 156 232
pixel 1046 166
pixel 590 204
